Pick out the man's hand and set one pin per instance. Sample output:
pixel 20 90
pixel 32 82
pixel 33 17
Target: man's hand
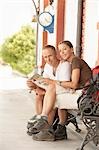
pixel 34 87
pixel 39 91
pixel 48 81
pixel 31 85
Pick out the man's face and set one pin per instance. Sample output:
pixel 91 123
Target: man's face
pixel 49 56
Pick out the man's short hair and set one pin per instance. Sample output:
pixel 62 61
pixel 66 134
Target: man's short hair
pixel 49 47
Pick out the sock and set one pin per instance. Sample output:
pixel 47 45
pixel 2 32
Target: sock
pixel 61 123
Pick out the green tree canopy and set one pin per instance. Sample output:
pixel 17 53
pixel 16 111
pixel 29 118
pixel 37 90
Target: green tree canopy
pixel 19 50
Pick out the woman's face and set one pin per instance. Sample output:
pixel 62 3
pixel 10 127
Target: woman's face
pixel 65 51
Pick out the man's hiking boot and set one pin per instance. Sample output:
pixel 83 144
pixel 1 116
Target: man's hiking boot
pixel 31 121
pixel 45 135
pixel 41 124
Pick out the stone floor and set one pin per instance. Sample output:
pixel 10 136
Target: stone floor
pixel 16 107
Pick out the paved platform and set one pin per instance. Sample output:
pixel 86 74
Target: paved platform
pixel 16 107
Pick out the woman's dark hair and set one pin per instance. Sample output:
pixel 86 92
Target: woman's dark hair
pixel 68 43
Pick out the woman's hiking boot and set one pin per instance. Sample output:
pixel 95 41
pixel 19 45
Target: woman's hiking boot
pixel 60 132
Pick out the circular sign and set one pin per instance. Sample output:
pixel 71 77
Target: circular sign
pixel 45 19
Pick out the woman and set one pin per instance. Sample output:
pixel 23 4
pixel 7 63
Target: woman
pixel 80 75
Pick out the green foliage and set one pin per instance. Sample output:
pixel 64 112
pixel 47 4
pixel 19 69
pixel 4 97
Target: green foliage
pixel 20 50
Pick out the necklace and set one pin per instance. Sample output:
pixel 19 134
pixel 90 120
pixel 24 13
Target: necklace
pixel 54 71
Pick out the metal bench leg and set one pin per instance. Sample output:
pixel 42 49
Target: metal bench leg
pixel 89 136
pixel 72 119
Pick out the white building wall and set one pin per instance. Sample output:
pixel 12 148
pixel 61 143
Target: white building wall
pixel 91 32
pixel 52 36
pixel 39 40
pixel 71 21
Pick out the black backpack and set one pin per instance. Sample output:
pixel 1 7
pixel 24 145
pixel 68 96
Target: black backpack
pixel 88 102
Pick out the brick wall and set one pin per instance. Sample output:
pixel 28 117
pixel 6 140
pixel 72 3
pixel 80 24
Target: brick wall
pixel 83 26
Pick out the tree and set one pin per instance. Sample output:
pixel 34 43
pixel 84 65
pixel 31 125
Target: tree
pixel 19 50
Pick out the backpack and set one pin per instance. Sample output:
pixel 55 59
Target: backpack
pixel 96 78
pixel 88 102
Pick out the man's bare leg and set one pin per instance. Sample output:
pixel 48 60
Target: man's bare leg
pixel 49 100
pixel 38 104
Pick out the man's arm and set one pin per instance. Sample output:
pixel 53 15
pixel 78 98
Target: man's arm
pixel 35 88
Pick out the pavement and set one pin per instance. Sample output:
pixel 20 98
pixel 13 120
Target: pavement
pixel 16 107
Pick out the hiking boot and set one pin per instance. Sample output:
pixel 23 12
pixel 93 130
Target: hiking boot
pixel 60 132
pixel 41 124
pixel 29 133
pixel 32 121
pixel 55 123
pixel 45 135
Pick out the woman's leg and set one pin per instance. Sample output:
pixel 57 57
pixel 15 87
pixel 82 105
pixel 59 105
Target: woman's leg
pixel 60 132
pixel 63 115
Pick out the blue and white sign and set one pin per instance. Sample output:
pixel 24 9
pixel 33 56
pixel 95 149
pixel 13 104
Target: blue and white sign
pixel 46 20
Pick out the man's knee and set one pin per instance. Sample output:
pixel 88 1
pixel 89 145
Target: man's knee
pixel 52 87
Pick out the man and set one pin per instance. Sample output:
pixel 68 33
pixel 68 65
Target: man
pixel 54 70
